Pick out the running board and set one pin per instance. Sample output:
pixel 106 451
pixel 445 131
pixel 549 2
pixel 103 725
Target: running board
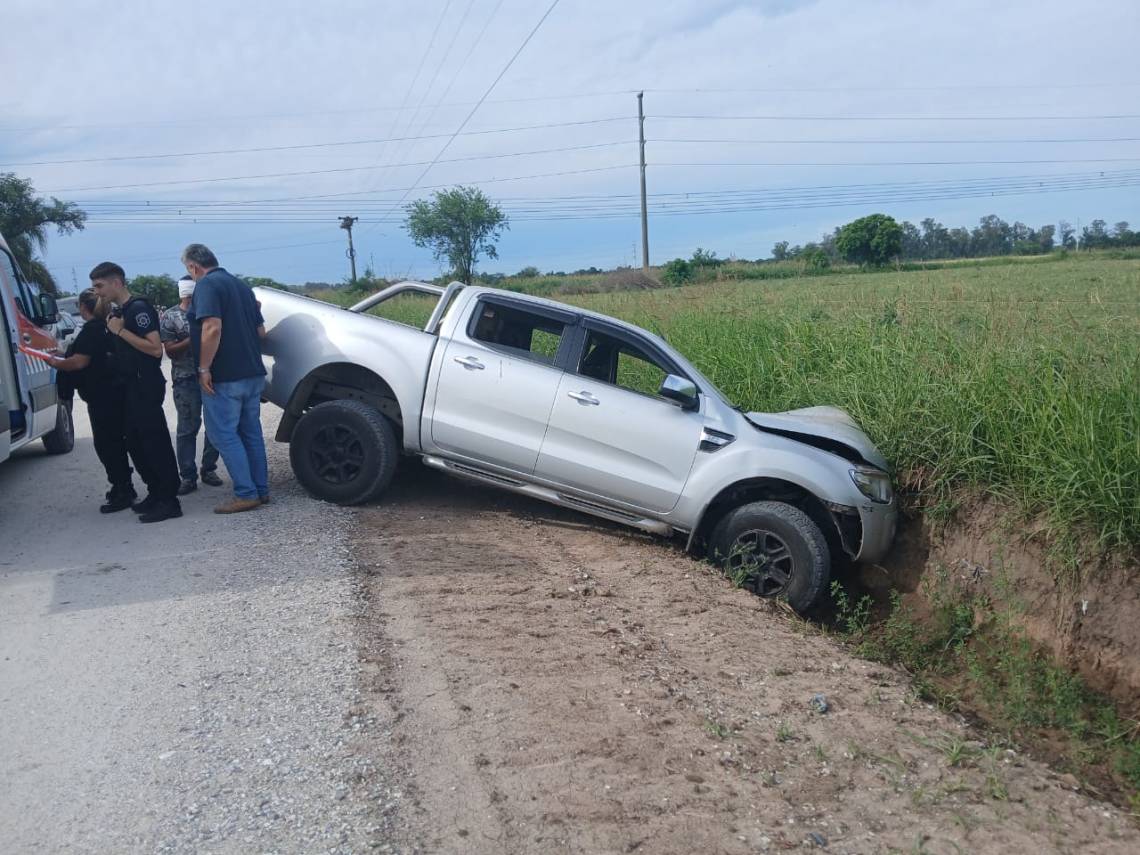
pixel 505 482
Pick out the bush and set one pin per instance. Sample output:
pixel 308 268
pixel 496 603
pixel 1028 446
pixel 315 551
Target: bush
pixel 677 272
pixel 815 260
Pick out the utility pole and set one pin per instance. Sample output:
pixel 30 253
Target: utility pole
pixel 644 212
pixel 346 224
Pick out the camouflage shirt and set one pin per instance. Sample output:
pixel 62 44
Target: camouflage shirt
pixel 175 327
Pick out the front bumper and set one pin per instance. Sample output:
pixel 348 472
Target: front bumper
pixel 879 523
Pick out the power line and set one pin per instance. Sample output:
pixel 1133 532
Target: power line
pixel 419 70
pixel 479 103
pixel 951 88
pixel 856 163
pixel 429 163
pixel 838 141
pixel 463 63
pixel 679 206
pixel 896 118
pixel 546 125
pixel 310 203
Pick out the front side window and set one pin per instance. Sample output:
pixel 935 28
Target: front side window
pixel 24 299
pixel 525 333
pixel 614 361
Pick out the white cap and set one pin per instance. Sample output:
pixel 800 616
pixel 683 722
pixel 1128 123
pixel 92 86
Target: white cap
pixel 185 288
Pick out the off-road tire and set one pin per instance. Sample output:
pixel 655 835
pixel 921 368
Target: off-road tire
pixel 807 565
pixel 62 438
pixel 344 452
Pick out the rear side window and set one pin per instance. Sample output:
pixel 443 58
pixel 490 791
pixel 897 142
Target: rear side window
pixel 527 334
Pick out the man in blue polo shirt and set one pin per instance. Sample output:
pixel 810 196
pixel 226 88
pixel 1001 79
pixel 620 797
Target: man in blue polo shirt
pixel 227 328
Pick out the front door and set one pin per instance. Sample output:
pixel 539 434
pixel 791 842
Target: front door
pixel 497 382
pixel 611 434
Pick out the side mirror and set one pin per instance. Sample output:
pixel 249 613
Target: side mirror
pixel 683 391
pixel 49 311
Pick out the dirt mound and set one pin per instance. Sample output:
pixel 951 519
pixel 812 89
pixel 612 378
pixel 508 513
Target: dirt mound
pixel 1087 619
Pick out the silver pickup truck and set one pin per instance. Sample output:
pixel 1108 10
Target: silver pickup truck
pixel 580 410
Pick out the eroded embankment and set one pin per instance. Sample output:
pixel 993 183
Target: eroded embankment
pixel 1087 618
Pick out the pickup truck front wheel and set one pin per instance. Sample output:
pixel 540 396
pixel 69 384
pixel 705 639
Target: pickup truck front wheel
pixel 344 452
pixel 774 550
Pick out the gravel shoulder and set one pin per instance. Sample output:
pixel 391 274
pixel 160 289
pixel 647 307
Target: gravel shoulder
pixel 191 686
pixel 562 685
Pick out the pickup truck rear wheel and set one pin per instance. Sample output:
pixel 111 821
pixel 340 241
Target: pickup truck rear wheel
pixel 344 452
pixel 774 550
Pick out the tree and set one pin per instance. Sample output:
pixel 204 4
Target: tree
pixel 912 246
pixel 458 224
pixel 1068 235
pixel 780 251
pixel 872 240
pixel 161 290
pixel 704 258
pixel 24 222
pixel 1094 235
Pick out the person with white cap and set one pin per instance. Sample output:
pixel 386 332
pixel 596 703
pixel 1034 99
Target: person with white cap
pixel 175 333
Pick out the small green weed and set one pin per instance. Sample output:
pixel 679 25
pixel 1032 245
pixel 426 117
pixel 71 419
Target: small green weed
pixel 717 730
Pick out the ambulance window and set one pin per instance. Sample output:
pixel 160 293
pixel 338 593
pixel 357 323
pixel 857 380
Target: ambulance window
pixel 8 271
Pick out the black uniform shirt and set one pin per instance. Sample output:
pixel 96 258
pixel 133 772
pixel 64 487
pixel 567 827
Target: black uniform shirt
pixel 96 342
pixel 143 373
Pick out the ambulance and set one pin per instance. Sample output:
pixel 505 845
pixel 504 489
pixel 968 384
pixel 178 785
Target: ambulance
pixel 30 408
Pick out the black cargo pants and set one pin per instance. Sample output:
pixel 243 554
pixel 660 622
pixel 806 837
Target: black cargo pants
pixel 148 441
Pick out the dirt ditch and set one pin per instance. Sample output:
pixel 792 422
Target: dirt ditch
pixel 555 684
pixel 1086 618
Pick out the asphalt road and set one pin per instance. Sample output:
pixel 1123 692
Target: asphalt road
pixel 186 686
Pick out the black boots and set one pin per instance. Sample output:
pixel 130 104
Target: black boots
pixel 119 498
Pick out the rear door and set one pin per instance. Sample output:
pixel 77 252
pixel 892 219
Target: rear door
pixel 35 378
pixel 610 433
pixel 497 381
pixel 9 393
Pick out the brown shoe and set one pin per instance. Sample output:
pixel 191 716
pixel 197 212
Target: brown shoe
pixel 265 500
pixel 236 506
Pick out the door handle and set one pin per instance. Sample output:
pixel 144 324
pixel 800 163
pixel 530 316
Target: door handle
pixel 584 397
pixel 470 363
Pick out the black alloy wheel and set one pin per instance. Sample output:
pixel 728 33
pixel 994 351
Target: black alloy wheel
pixel 344 452
pixel 773 549
pixel 337 454
pixel 762 562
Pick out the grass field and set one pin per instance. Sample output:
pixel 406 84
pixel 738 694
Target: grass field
pixel 1019 379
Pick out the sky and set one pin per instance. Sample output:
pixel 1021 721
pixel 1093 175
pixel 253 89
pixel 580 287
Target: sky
pixel 253 126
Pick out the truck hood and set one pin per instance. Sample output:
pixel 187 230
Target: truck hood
pixel 829 424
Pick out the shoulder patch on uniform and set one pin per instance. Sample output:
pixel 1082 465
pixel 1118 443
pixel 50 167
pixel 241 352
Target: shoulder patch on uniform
pixel 143 320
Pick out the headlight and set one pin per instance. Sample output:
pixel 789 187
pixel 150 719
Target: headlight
pixel 873 483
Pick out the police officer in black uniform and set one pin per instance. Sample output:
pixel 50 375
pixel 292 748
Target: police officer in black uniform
pixel 139 356
pixel 90 370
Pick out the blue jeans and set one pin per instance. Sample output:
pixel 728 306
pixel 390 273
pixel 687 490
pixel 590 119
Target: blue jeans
pixel 233 424
pixel 188 402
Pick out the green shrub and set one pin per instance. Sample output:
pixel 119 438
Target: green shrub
pixel 677 272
